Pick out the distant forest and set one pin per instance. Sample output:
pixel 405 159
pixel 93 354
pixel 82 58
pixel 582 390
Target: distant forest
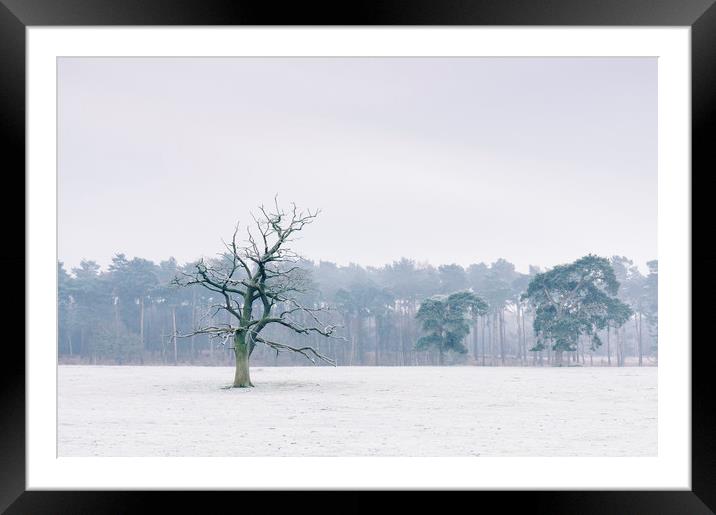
pixel 131 314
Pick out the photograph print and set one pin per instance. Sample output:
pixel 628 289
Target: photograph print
pixel 357 256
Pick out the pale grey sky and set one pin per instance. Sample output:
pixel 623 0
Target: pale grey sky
pixel 537 160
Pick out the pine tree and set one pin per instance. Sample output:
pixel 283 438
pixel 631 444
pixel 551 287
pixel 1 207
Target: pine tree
pixel 446 320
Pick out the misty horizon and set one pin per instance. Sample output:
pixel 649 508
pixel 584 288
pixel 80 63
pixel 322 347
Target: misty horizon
pixel 643 268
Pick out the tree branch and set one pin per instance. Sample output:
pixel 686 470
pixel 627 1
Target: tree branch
pixel 301 350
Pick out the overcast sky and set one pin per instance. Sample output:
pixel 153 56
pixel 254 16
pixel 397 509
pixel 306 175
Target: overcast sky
pixel 537 160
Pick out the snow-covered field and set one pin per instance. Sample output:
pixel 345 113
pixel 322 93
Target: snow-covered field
pixel 358 411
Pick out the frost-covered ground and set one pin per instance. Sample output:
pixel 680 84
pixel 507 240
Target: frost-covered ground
pixel 358 411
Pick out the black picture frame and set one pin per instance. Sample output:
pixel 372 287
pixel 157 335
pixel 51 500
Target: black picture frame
pixel 16 15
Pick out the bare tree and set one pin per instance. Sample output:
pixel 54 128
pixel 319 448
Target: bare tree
pixel 259 283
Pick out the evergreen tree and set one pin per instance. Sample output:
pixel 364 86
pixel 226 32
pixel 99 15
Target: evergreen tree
pixel 446 320
pixel 573 300
pixel 452 278
pixel 651 303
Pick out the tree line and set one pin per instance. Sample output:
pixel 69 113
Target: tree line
pixel 131 313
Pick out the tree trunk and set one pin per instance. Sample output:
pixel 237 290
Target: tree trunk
pixel 174 334
pixel 641 352
pixel 558 358
pixel 193 325
pixel 400 333
pixel 351 337
pixel 141 330
pixel 377 342
pixel 116 317
pixel 493 340
pixel 519 333
pixel 242 378
pixel 359 339
pixel 162 342
pixel 353 350
pixel 483 340
pixel 475 352
pixel 489 324
pixel 349 334
pixel 609 352
pixel 501 322
pixel 524 336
